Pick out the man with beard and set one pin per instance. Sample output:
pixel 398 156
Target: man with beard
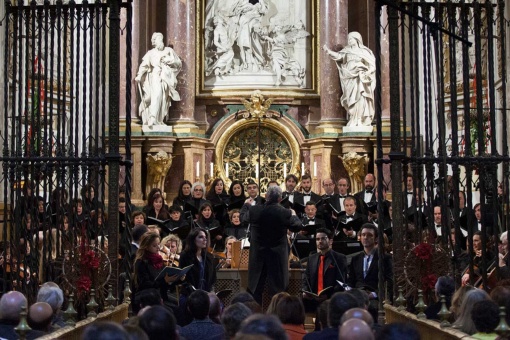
pixel 290 196
pixel 366 197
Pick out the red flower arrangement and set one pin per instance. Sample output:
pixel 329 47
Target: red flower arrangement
pixel 423 251
pixel 89 262
pixel 428 282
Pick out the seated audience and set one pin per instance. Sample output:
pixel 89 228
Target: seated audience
pixel 355 329
pixel 501 295
pixel 398 331
pixel 262 325
pixel 104 330
pixel 158 323
pixel 291 312
pixel 464 321
pixel 271 309
pixel 201 327
pixel 358 313
pixel 51 293
pixel 10 309
pixel 214 308
pixel 39 317
pixel 444 286
pixel 457 299
pixel 232 318
pixel 485 316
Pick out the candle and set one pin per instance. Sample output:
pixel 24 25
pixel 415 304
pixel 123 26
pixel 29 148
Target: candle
pixel 302 168
pixel 315 169
pixel 226 168
pixel 284 169
pixel 212 169
pixel 198 168
pixel 257 171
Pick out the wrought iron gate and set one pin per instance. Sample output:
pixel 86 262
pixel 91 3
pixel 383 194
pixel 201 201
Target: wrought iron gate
pixel 60 143
pixel 447 90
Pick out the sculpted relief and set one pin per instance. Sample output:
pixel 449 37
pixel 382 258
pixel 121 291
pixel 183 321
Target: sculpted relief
pixel 266 38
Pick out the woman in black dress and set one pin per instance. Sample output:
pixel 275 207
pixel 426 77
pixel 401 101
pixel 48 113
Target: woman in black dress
pixel 184 194
pixel 203 273
pixel 207 222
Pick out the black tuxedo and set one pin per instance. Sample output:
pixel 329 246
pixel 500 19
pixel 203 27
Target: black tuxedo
pixel 324 211
pixel 335 268
pixel 286 203
pixel 259 200
pixel 405 198
pixel 319 223
pixel 415 215
pixel 269 255
pixel 355 224
pixel 360 204
pixel 371 280
pixel 335 201
pixel 300 199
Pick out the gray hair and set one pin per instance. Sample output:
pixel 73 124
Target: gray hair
pixel 52 295
pixel 233 316
pixel 273 194
pixel 196 184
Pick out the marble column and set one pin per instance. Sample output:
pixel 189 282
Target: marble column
pixel 333 33
pixel 180 32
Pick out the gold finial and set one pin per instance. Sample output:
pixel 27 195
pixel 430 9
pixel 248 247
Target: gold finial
pixel 258 107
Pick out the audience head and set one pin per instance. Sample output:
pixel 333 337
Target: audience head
pixel 232 318
pixel 322 314
pixel 361 296
pixel 159 323
pixel 445 285
pixel 198 304
pixel 290 310
pixel 40 315
pixel 135 332
pixel 148 297
pixel 260 324
pixel 397 331
pixel 339 304
pixel 485 316
pixel 214 308
pixel 457 299
pixel 271 309
pixel 104 330
pixel 254 307
pixel 273 194
pixel 242 297
pixel 464 321
pixel 138 232
pixel 10 305
pixel 358 313
pixel 355 329
pixel 51 293
pixel 501 295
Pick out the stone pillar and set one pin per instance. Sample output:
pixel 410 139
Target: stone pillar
pixel 333 33
pixel 180 32
pixel 320 158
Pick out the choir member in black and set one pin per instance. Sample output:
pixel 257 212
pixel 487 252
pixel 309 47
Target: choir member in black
pixel 177 224
pixel 253 193
pixel 197 199
pixel 59 205
pixel 90 201
pixel 203 273
pixel 219 198
pixel 477 260
pixel 310 220
pixel 464 214
pixel 148 264
pixel 290 195
pixel 419 211
pixel 150 199
pixel 343 191
pixel 373 216
pixel 350 224
pixel 329 196
pixel 79 214
pixel 28 202
pixel 236 192
pixel 367 195
pixel 207 221
pixel 158 209
pixel 408 195
pixel 236 228
pixel 138 218
pixel 184 194
pixel 307 193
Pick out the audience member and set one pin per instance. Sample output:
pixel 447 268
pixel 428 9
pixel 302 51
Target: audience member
pixel 291 312
pixel 39 317
pixel 214 308
pixel 135 332
pixel 51 293
pixel 399 331
pixel 464 321
pixel 485 316
pixel 271 309
pixel 201 327
pixel 358 313
pixel 457 299
pixel 10 309
pixel 501 295
pixel 158 323
pixel 254 307
pixel 322 316
pixel 232 318
pixel 361 296
pixel 262 325
pixel 355 329
pixel 242 297
pixel 444 286
pixel 338 305
pixel 104 330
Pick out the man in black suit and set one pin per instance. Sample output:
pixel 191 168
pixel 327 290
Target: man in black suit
pixel 307 194
pixel 268 249
pixel 343 192
pixel 408 194
pixel 311 220
pixel 366 196
pixel 349 224
pixel 253 193
pixel 290 195
pixel 364 268
pixel 324 210
pixel 323 270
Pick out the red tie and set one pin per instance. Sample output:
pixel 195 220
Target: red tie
pixel 320 284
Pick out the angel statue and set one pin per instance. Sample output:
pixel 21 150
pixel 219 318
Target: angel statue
pixel 258 107
pixel 157 168
pixel 356 67
pixel 279 37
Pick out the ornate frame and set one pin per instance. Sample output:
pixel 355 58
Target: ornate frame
pixel 202 91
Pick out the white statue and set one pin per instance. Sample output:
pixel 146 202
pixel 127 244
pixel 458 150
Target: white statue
pixel 356 66
pixel 223 41
pixel 157 75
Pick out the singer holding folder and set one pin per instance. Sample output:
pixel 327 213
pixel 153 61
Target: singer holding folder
pixel 269 257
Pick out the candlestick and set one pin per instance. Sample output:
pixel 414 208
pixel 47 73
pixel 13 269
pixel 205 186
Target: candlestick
pixel 284 169
pixel 198 168
pixel 257 171
pixel 302 168
pixel 226 169
pixel 212 169
pixel 315 169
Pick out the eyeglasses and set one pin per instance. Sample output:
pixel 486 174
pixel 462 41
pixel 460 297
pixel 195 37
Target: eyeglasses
pixel 198 189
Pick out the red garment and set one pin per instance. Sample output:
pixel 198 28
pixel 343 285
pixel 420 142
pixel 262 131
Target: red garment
pixel 154 259
pixel 294 332
pixel 320 283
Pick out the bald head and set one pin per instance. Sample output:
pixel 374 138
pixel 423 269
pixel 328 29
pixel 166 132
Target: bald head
pixel 214 307
pixel 40 315
pixel 358 313
pixel 355 329
pixel 10 305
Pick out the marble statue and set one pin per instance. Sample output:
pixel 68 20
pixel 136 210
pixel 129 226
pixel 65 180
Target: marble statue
pixel 355 165
pixel 223 41
pixel 356 67
pixel 157 80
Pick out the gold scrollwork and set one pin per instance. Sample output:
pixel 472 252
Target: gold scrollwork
pixel 355 165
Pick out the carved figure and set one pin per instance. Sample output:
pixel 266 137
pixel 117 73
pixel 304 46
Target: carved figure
pixel 282 64
pixel 355 165
pixel 157 168
pixel 224 53
pixel 356 67
pixel 258 106
pixel 157 75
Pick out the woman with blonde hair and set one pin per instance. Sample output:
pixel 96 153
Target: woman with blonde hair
pixel 464 321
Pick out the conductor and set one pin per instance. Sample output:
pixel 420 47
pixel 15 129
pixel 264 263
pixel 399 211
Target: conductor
pixel 269 255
